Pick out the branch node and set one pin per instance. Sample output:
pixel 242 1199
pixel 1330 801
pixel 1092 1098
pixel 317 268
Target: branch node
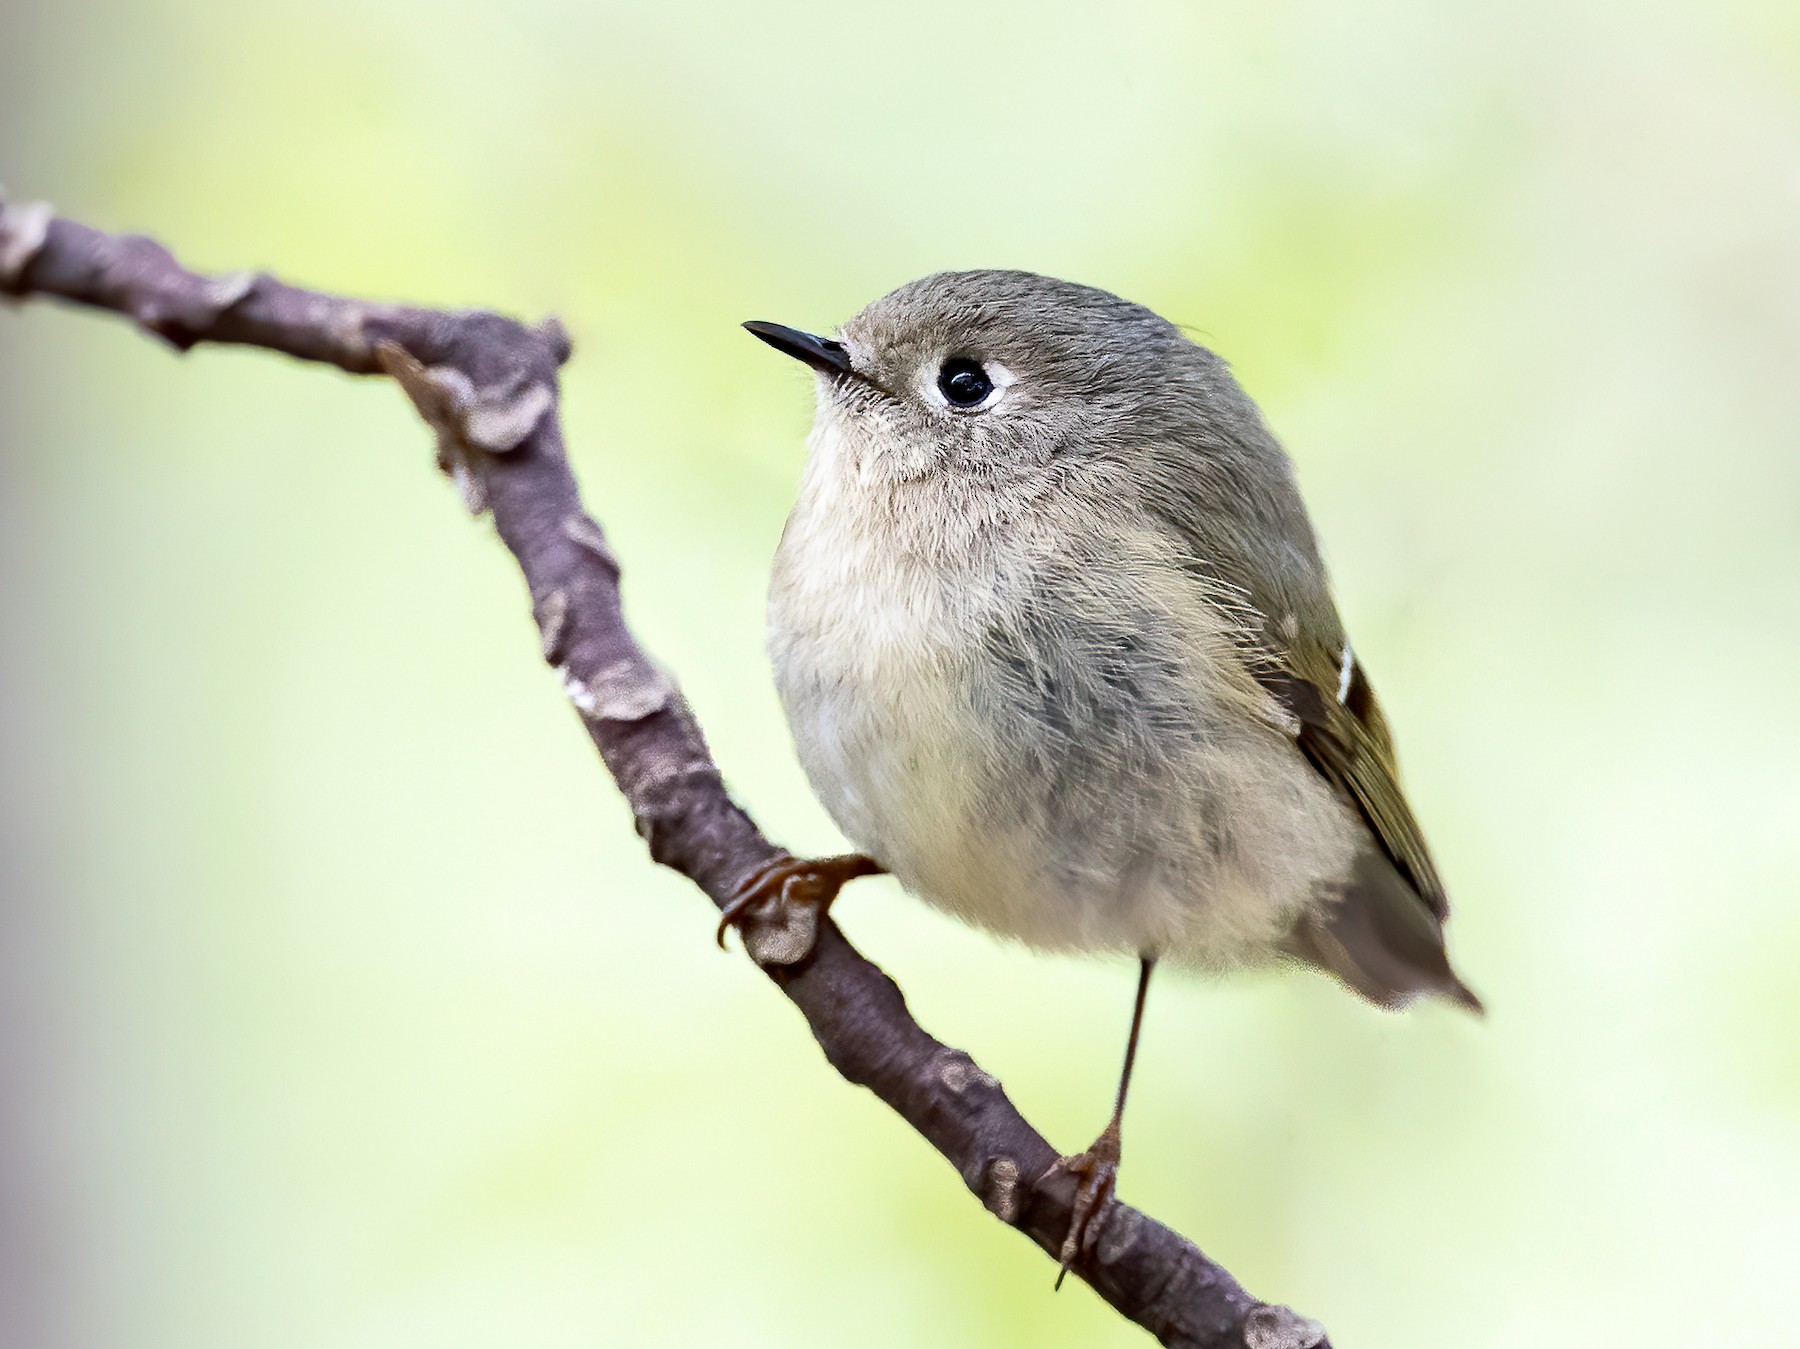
pixel 499 420
pixel 786 938
pixel 1274 1327
pixel 23 230
pixel 999 1190
pixel 585 531
pixel 441 394
pixel 345 326
pixel 959 1072
pixel 553 618
pixel 227 291
pixel 556 337
pixel 626 690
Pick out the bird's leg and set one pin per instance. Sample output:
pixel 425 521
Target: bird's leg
pixel 1098 1167
pixel 798 890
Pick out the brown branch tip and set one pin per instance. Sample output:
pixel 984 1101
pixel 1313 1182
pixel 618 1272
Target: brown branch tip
pixel 487 387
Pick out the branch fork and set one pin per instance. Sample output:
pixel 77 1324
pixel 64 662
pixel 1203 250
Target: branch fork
pixel 487 387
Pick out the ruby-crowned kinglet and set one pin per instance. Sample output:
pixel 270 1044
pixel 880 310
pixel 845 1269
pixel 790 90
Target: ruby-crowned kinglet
pixel 1051 630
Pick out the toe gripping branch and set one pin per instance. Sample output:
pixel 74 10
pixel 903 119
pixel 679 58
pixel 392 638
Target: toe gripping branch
pixel 1096 1172
pixel 780 905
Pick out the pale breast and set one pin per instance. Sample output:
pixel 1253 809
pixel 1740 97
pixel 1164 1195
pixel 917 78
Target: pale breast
pixel 874 668
pixel 1050 745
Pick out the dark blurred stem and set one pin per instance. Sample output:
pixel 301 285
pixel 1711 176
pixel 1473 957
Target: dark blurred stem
pixel 487 386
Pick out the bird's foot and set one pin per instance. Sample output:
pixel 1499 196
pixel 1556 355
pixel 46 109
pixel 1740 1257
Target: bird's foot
pixel 783 902
pixel 1096 1172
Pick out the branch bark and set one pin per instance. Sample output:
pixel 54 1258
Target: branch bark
pixel 487 386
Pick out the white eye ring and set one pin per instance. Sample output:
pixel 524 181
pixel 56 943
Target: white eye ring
pixel 939 379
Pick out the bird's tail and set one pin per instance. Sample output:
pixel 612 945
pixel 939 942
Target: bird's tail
pixel 1382 940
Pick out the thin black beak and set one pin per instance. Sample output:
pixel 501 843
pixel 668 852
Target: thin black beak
pixel 821 353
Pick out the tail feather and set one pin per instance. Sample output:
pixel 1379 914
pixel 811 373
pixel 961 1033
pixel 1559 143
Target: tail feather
pixel 1381 940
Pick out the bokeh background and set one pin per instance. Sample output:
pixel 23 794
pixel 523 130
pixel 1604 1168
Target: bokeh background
pixel 341 1008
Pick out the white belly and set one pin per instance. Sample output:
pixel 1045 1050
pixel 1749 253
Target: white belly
pixel 1043 753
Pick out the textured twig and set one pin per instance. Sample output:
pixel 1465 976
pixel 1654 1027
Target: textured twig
pixel 487 385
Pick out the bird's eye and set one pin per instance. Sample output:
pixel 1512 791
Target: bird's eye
pixel 964 382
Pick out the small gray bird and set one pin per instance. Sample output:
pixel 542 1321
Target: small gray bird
pixel 1053 636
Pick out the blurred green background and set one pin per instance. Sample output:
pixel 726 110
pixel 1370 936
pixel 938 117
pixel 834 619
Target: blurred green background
pixel 339 1005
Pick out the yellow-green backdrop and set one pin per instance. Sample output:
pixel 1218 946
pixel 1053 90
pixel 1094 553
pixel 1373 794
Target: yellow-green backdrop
pixel 342 1008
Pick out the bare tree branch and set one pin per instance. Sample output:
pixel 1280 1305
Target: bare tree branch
pixel 487 385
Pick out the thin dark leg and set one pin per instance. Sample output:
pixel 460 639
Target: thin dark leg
pixel 1145 965
pixel 1098 1167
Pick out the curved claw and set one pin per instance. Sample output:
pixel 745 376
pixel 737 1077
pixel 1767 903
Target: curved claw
pixel 788 880
pixel 1098 1169
pixel 748 894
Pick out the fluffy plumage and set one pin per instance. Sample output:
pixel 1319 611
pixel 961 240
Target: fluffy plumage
pixel 1067 663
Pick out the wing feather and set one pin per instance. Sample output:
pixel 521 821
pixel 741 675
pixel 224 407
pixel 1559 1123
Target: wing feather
pixel 1225 491
pixel 1348 743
